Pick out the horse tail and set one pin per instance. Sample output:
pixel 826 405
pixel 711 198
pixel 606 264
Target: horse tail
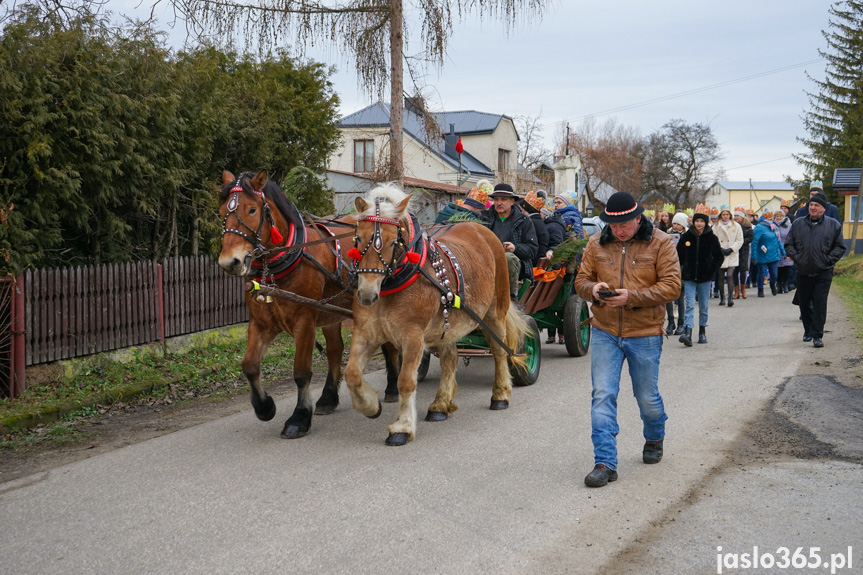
pixel 516 331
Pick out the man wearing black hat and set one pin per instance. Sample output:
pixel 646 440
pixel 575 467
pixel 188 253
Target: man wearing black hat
pixel 515 231
pixel 816 188
pixel 815 244
pixel 629 270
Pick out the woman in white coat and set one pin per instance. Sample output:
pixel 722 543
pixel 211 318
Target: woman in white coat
pixel 730 236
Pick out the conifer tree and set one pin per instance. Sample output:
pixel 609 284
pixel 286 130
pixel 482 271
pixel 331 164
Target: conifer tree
pixel 835 119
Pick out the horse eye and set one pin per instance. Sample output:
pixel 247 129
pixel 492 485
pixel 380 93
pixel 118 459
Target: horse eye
pixel 252 210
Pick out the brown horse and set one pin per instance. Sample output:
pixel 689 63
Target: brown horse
pixel 464 265
pixel 257 217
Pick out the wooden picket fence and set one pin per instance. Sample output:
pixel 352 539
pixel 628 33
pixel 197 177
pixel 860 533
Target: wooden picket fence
pixel 72 312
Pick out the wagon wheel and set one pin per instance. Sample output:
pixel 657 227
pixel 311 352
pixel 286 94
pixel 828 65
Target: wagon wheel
pixel 577 336
pixel 531 347
pixel 423 368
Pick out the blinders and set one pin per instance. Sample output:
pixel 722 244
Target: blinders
pixel 266 216
pixel 376 243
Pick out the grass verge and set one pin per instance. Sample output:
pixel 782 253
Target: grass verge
pixel 848 279
pixel 56 409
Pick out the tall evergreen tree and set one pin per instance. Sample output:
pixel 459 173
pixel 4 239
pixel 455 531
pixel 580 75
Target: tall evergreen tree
pixel 835 120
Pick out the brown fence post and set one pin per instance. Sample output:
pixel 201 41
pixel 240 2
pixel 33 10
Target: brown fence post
pixel 161 305
pixel 18 381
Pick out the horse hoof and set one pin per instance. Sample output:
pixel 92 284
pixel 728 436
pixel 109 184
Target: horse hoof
pixel 328 409
pixel 293 432
pixel 498 404
pixel 380 410
pixel 396 439
pixel 436 416
pixel 391 398
pixel 266 410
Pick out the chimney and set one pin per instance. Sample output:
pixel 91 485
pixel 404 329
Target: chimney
pixel 450 140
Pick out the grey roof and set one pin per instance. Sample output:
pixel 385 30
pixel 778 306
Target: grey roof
pixel 846 178
pixel 466 123
pixel 469 122
pixel 773 186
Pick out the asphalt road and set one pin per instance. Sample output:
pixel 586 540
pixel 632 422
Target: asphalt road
pixel 485 491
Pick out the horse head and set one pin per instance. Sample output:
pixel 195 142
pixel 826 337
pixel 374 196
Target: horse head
pixel 379 241
pixel 250 224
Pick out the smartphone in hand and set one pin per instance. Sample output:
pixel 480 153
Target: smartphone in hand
pixel 605 293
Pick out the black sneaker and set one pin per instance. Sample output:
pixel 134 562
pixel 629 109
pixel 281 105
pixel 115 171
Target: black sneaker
pixel 600 476
pixel 652 452
pixel 817 342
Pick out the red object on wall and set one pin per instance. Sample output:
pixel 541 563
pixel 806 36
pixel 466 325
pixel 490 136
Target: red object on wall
pixel 458 147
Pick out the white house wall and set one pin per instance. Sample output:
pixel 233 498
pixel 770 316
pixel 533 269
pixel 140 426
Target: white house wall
pixel 484 147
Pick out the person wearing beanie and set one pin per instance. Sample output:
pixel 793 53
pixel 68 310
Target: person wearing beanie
pixel 679 225
pixel 767 250
pixel 786 264
pixel 741 276
pixel 815 244
pixel 628 270
pixel 566 208
pixel 730 236
pixel 700 256
pixel 817 188
pixel 464 210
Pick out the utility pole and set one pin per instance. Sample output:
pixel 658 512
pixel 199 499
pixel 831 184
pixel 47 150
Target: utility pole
pixel 857 215
pixel 567 141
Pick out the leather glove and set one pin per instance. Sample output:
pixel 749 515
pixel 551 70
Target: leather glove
pixel 726 251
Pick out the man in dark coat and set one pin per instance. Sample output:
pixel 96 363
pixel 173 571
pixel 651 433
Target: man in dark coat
pixel 515 231
pixel 815 244
pixel 817 188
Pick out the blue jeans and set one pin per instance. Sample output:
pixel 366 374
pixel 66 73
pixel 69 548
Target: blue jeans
pixel 763 269
pixel 701 291
pixel 606 362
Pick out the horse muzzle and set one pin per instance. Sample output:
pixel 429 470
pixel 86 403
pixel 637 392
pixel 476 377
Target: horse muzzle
pixel 235 266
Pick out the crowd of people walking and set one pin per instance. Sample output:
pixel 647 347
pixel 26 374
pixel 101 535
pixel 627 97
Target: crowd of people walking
pixel 724 252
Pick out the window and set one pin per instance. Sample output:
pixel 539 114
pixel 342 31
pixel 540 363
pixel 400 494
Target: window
pixel 364 155
pixel 502 160
pixel 850 217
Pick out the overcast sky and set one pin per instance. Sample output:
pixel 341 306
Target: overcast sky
pixel 588 57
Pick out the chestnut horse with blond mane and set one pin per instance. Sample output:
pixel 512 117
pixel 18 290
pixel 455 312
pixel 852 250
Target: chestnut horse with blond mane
pixel 257 220
pixel 462 265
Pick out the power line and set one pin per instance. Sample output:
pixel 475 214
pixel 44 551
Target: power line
pixel 696 90
pixel 759 163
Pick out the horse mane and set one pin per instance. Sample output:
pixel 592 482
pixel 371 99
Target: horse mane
pixel 389 194
pixel 272 192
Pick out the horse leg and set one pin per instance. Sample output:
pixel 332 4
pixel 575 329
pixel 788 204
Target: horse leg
pixel 391 360
pixel 257 341
pixel 443 403
pixel 300 421
pixel 329 399
pixel 363 396
pixel 403 429
pixel 502 389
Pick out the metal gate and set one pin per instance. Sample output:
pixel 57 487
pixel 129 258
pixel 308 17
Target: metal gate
pixel 11 337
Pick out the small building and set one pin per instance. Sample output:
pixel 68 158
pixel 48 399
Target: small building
pixel 756 196
pixel 846 183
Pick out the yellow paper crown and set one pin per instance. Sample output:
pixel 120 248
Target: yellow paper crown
pixel 688 211
pixel 650 213
pixel 668 208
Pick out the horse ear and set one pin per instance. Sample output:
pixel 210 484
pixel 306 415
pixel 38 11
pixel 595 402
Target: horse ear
pixel 361 205
pixel 402 207
pixel 227 178
pixel 259 181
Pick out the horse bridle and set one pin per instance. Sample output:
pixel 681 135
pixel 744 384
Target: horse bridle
pixel 376 243
pixel 266 216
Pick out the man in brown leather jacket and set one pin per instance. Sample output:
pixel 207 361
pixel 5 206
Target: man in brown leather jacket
pixel 629 270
